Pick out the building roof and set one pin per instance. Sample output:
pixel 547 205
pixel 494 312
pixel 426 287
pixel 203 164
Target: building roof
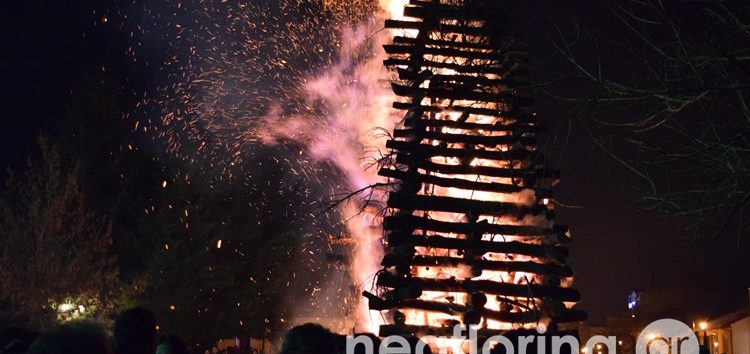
pixel 727 319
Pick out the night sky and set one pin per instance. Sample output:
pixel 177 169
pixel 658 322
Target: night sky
pixel 48 46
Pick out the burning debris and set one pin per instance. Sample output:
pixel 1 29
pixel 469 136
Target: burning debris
pixel 469 227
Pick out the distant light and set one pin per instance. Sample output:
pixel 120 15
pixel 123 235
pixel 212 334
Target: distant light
pixel 172 307
pixel 619 342
pixel 584 349
pixel 716 344
pixel 65 307
pixel 218 244
pixel 703 325
pixel 164 184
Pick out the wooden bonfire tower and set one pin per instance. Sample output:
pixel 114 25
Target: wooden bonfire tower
pixel 468 229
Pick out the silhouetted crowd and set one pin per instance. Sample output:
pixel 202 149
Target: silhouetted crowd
pixel 135 332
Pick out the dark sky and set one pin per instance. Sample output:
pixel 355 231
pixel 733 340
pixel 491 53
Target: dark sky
pixel 48 45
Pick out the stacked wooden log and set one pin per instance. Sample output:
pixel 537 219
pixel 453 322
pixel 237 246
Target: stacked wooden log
pixel 469 232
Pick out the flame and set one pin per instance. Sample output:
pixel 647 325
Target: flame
pixel 394 8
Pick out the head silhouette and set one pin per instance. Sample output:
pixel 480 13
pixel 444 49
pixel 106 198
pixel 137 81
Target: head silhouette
pixel 73 338
pixel 171 344
pixel 16 340
pixel 311 338
pixel 135 332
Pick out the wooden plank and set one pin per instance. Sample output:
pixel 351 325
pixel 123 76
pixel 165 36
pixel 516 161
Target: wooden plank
pixel 516 128
pixel 530 316
pixel 454 92
pixel 452 12
pixel 488 287
pixel 544 252
pixel 411 222
pixel 530 173
pixel 461 94
pixel 393 259
pixel 511 115
pixel 486 30
pixel 492 112
pixel 410 151
pixel 448 52
pixel 459 309
pixel 487 68
pixel 459 205
pixel 470 80
pixel 506 44
pixel 488 141
pixel 460 183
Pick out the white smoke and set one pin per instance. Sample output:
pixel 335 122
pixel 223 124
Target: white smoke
pixel 356 100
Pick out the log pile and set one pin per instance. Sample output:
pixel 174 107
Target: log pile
pixel 469 231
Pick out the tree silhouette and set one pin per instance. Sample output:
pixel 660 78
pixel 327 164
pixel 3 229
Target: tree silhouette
pixel 55 249
pixel 665 95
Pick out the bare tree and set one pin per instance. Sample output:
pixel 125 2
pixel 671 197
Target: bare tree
pixel 665 94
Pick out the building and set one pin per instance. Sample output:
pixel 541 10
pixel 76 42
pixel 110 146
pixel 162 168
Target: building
pixel 727 334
